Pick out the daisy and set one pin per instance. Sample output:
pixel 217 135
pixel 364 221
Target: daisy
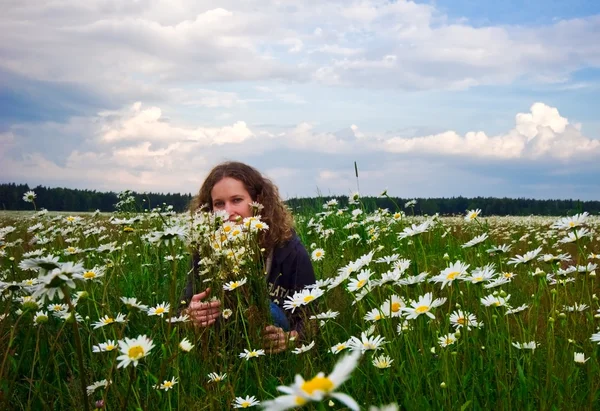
pixel 57 307
pixel 185 345
pixel 476 240
pixel 98 384
pixel 40 264
pixel 447 340
pixel 383 361
pixel 103 347
pixel 573 236
pixel 360 281
pixel 579 357
pixel 325 315
pixel 415 230
pixel 516 310
pixel 160 310
pixel 133 350
pixel 309 295
pixel 317 254
pixel 493 301
pixel 460 319
pixel 167 384
pixel 91 275
pixel 414 279
pixel 501 249
pixel 232 285
pixel 56 280
pixel 106 320
pixel 595 337
pixel 29 196
pixel 304 348
pixel 183 318
pixel 339 347
pixel 317 388
pixel 366 343
pixel 481 274
pixel 133 303
pixel 393 306
pixel 448 275
pixel 571 222
pixel 422 306
pixel 249 401
pixel 40 317
pixel 214 377
pixel 251 354
pixel 374 315
pixel 525 258
pixel 227 312
pixel 532 345
pixel 472 214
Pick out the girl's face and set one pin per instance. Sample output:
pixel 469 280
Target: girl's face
pixel 230 195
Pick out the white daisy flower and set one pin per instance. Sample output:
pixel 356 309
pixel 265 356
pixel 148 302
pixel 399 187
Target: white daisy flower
pixel 232 285
pixel 247 354
pixel 160 310
pixel 249 401
pixel 133 350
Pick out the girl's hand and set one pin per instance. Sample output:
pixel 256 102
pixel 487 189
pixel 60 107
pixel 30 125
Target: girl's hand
pixel 203 314
pixel 276 340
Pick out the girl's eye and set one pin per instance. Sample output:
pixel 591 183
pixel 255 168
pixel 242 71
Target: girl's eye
pixel 237 200
pixel 218 204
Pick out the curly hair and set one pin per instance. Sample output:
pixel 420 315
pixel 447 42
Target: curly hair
pixel 261 190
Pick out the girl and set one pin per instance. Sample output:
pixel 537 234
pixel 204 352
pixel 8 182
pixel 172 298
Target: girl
pixel 232 187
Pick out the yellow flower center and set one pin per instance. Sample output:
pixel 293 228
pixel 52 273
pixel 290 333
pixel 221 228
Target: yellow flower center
pixel 89 274
pixel 452 275
pixel 159 310
pixel 245 404
pixel 168 384
pixel 71 249
pixel 308 298
pixel 300 401
pixel 235 232
pixel 422 309
pixel 396 307
pixel 70 219
pixel 496 304
pixel 462 321
pixel 571 224
pixel 477 279
pixel 227 228
pixel 361 283
pixel 110 347
pixel 507 275
pixel 109 320
pixel 318 383
pixel 135 352
pixel 318 254
pixel 235 284
pixel 128 229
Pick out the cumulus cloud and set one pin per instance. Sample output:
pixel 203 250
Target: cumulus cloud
pixel 135 147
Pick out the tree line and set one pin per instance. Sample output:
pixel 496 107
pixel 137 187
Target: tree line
pixel 66 199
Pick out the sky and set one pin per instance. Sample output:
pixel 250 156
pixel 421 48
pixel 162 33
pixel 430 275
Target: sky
pixel 435 98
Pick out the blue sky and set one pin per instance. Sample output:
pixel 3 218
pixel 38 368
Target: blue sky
pixel 431 98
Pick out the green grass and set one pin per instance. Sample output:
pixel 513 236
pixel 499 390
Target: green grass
pixel 41 364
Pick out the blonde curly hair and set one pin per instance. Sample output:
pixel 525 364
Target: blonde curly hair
pixel 262 190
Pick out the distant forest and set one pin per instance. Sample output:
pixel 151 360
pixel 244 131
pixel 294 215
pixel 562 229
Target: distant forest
pixel 66 199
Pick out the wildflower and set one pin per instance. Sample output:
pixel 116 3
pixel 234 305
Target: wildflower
pixel 460 319
pixel 40 317
pixel 393 306
pixel 383 361
pixel 52 283
pixel 374 315
pixel 494 301
pixel 476 240
pixel 360 281
pixel 472 214
pixel 595 337
pixel 103 347
pixel 339 347
pixel 366 342
pixel 133 303
pixel 532 345
pixel 573 236
pixel 422 306
pixel 571 222
pixel 167 384
pixel 227 312
pixel 214 377
pixel 251 354
pixel 579 357
pixel 29 196
pixel 160 310
pixel 516 310
pixel 186 345
pixel 106 320
pixel 91 275
pixel 415 230
pixel 413 279
pixel 448 275
pixel 249 401
pixel 133 350
pixel 390 407
pixel 447 340
pixel 304 348
pixel 317 388
pixel 481 274
pixel 168 235
pixel 525 258
pixel 97 384
pixel 501 249
pixel 325 316
pixel 232 285
pixel 58 307
pixel 318 254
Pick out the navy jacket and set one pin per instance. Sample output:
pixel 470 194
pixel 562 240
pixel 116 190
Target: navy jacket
pixel 291 271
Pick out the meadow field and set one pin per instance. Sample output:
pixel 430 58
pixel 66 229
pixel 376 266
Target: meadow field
pixel 411 312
